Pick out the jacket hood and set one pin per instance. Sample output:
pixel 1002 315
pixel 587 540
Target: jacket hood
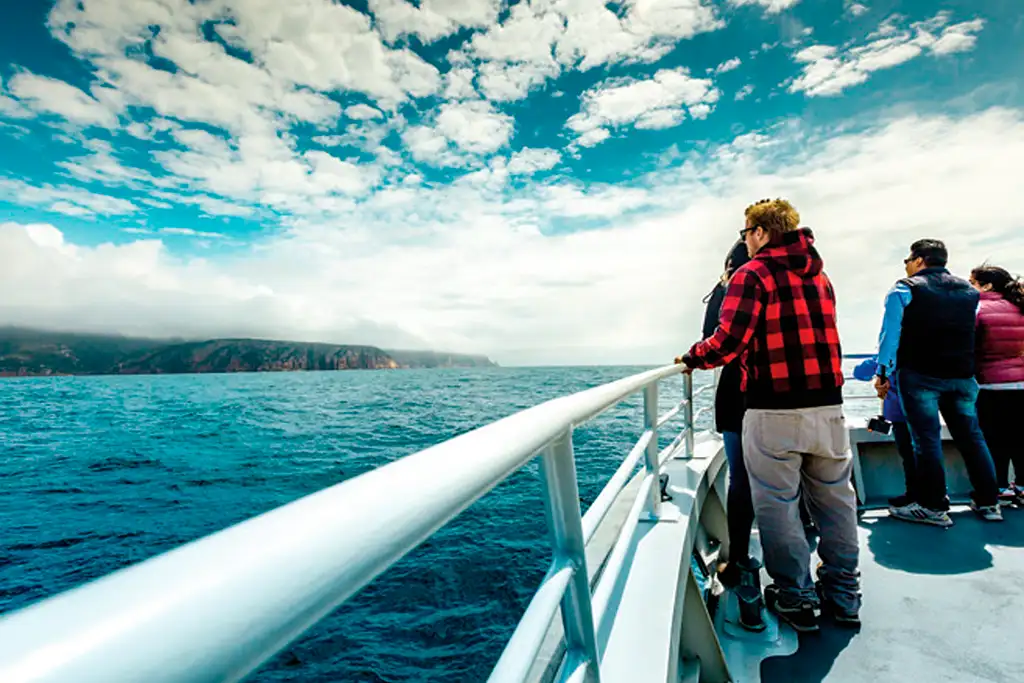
pixel 795 252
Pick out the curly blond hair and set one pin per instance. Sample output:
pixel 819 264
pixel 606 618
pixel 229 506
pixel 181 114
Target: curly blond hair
pixel 774 215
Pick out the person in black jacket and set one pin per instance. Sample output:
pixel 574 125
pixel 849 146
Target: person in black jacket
pixel 741 571
pixel 928 344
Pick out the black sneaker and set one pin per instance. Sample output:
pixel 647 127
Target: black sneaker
pixel 729 574
pixel 843 617
pixel 798 614
pixel 901 501
pixel 748 593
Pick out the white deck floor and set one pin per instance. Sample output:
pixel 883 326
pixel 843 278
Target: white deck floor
pixel 940 605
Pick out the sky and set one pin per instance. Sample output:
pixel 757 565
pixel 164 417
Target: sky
pixel 544 182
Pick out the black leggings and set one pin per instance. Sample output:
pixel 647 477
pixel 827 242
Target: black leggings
pixel 998 412
pixel 905 447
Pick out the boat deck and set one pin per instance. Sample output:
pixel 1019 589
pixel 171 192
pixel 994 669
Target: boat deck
pixel 939 605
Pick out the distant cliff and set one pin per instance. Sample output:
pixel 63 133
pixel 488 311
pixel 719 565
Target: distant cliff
pixel 32 352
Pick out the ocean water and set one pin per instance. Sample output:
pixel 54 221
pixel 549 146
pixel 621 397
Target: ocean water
pixel 102 472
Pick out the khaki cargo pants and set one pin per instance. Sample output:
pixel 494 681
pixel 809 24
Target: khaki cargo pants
pixel 808 447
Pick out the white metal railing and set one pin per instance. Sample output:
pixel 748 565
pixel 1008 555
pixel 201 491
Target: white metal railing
pixel 216 608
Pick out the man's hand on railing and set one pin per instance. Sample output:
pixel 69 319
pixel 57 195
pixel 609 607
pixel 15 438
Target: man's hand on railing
pixel 686 368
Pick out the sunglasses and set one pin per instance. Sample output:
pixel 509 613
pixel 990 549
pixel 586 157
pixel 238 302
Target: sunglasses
pixel 907 261
pixel 744 231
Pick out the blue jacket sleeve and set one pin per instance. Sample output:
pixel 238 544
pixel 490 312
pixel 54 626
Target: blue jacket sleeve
pixel 865 370
pixel 896 301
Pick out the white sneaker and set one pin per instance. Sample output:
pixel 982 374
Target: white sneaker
pixel 915 513
pixel 989 513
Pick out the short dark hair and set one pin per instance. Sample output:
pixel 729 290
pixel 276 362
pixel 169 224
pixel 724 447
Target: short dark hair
pixel 932 251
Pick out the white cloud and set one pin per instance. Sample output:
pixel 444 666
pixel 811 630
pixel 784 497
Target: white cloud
pixel 458 84
pixel 667 118
pixel 503 82
pixel 855 9
pixel 301 53
pixel 65 199
pixel 69 209
pixel 815 53
pixel 828 71
pixel 482 276
pixel 458 133
pixel 211 206
pixel 102 165
pixel 528 161
pixel 430 146
pixel 363 112
pixel 157 204
pixel 744 92
pixel 334 175
pixel 671 18
pixel 527 35
pixel 189 232
pixel 264 169
pixel 658 102
pixel 698 111
pixel 537 41
pixel 476 127
pixel 770 6
pixel 593 137
pixel 315 44
pixel 599 202
pixel 728 65
pixel 958 38
pixel 53 96
pixel 432 19
pixel 595 35
pixel 397 17
pixel 11 108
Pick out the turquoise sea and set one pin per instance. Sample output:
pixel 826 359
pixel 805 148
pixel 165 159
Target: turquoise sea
pixel 102 472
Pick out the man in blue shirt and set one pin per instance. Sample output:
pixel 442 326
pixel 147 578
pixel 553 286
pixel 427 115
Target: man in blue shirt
pixel 927 345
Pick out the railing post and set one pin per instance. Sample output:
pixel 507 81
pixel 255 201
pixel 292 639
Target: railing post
pixel 562 504
pixel 651 454
pixel 688 412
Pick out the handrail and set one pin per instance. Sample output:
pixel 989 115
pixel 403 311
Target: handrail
pixel 603 503
pixel 216 608
pixel 528 638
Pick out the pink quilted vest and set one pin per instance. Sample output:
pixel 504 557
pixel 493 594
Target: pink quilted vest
pixel 1000 341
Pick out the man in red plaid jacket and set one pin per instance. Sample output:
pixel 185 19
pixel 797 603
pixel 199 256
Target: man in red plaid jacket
pixel 779 318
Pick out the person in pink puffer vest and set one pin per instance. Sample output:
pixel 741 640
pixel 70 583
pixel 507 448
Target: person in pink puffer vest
pixel 999 347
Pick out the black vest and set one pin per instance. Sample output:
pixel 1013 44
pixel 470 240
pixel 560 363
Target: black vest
pixel 937 338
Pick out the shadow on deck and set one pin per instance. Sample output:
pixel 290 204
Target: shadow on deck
pixel 939 605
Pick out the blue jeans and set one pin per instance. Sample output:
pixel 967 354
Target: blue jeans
pixel 923 399
pixel 739 508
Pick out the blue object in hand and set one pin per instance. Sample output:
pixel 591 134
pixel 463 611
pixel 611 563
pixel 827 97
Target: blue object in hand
pixel 892 410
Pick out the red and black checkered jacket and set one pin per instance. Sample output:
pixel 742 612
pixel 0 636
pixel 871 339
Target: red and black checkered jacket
pixel 779 318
